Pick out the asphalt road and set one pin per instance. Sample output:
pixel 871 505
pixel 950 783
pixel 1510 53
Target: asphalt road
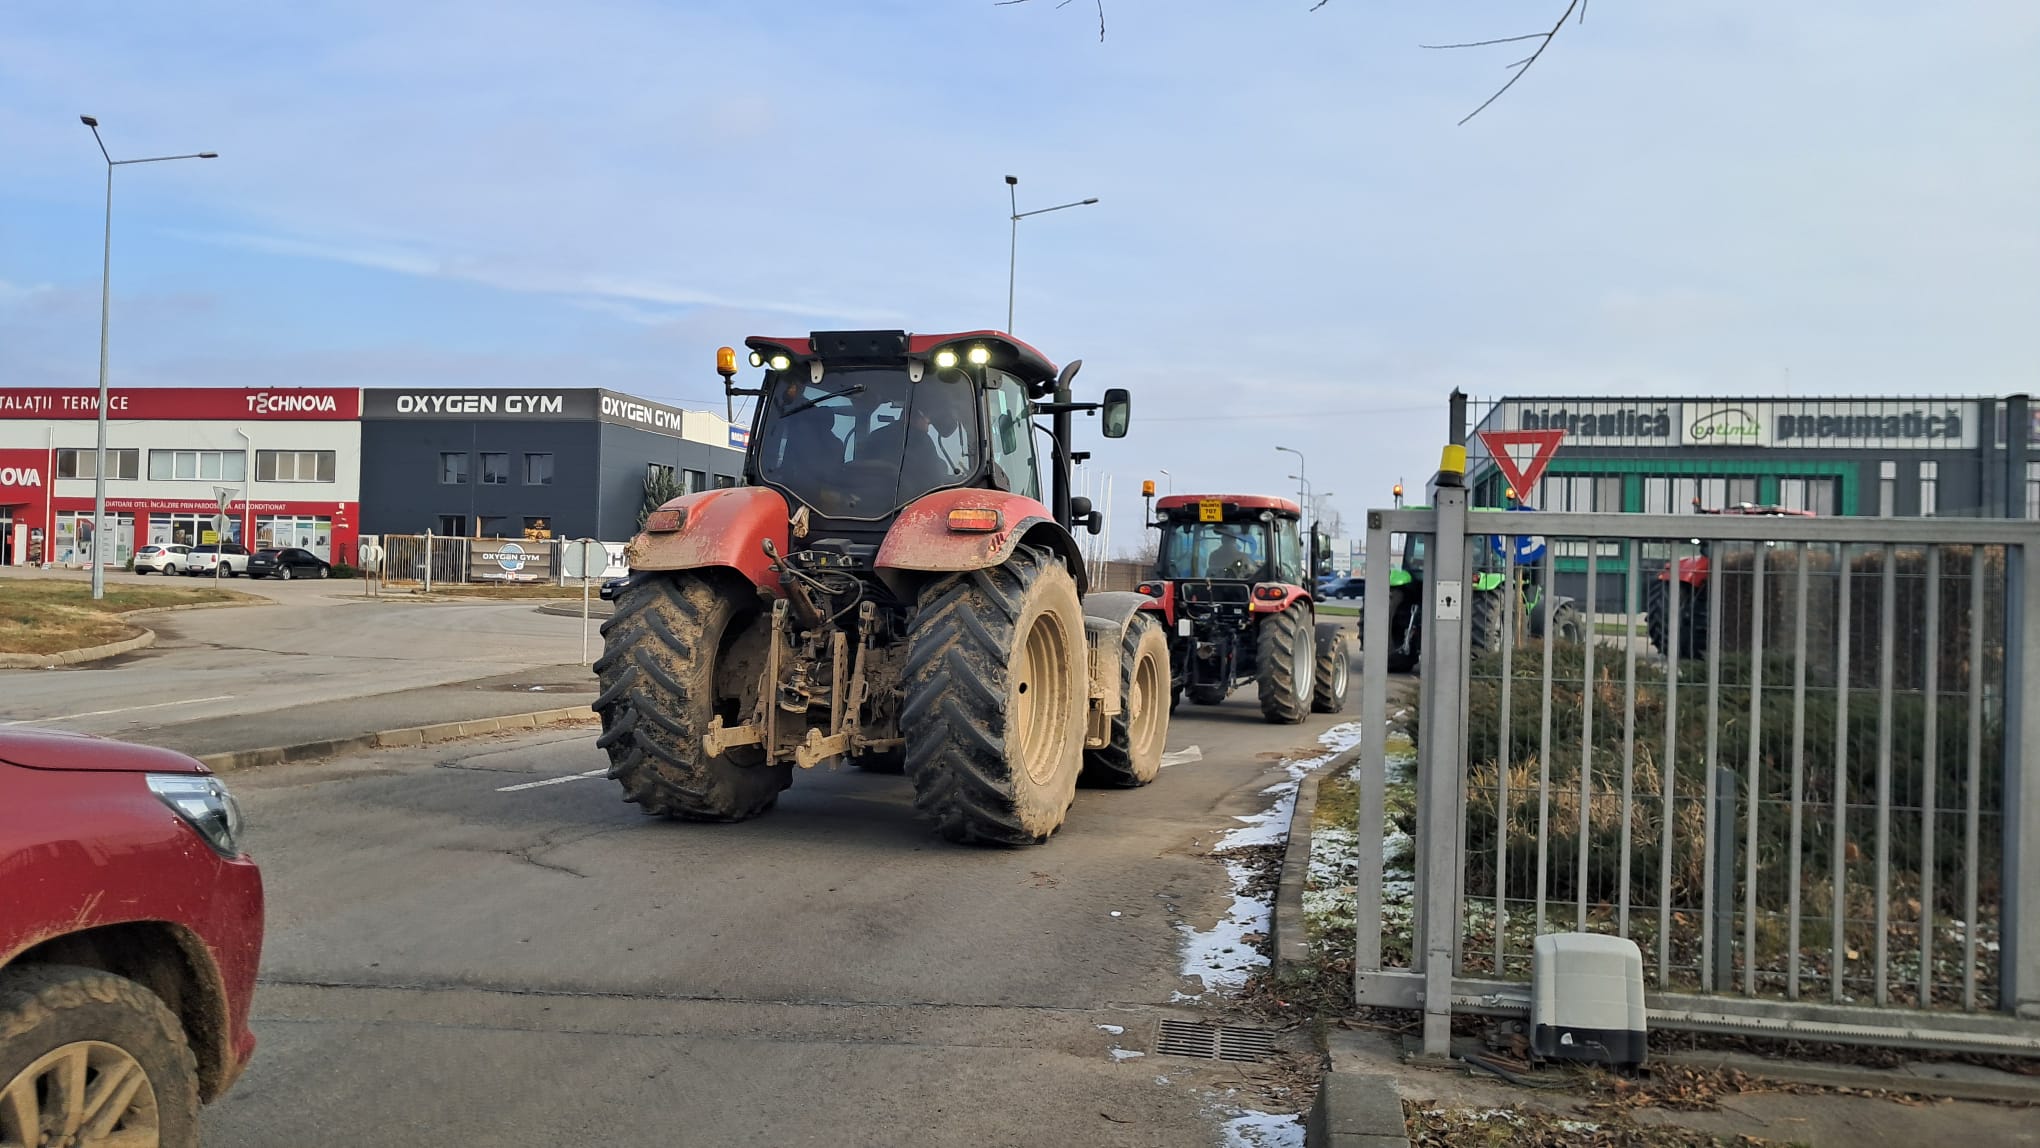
pixel 322 661
pixel 471 944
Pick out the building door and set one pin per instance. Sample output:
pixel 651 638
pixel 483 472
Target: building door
pixel 6 536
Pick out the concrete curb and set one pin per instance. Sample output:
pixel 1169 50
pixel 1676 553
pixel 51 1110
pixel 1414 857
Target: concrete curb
pixel 596 609
pixel 1288 934
pixel 232 760
pixel 1353 1110
pixel 140 641
pixel 1952 1080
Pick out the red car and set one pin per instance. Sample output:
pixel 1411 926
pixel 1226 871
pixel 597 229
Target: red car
pixel 130 932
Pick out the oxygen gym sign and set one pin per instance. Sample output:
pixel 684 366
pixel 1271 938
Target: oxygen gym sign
pixel 501 560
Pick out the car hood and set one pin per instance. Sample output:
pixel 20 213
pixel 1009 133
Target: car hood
pixel 56 749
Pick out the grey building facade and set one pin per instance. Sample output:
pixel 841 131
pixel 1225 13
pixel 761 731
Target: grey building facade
pixel 570 462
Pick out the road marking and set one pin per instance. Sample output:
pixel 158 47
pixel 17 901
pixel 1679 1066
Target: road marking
pixel 553 781
pixel 1182 757
pixel 122 710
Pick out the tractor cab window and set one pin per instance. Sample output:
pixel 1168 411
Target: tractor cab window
pixel 1236 551
pixel 862 443
pixel 1288 551
pixel 1413 553
pixel 1012 445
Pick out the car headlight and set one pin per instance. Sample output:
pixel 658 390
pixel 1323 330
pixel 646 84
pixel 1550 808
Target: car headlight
pixel 204 803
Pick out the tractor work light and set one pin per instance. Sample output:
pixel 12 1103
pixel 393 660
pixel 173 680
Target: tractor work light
pixel 975 521
pixel 757 358
pixel 781 362
pixel 945 359
pixel 980 355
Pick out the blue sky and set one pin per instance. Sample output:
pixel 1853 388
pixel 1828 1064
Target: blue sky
pixel 1294 243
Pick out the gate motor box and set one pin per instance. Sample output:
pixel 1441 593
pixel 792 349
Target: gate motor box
pixel 1587 999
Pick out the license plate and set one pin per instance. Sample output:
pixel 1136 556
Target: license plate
pixel 1210 510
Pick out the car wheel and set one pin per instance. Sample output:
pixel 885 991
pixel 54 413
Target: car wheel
pixel 284 573
pixel 325 572
pixel 66 1026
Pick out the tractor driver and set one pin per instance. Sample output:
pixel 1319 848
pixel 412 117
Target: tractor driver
pixel 929 442
pixel 1231 559
pixel 809 452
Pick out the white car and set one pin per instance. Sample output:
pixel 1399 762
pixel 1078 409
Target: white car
pixel 163 558
pixel 230 557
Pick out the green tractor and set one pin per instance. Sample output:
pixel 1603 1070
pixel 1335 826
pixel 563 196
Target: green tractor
pixel 1485 606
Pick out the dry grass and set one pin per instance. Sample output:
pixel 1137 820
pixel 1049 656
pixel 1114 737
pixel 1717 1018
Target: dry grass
pixel 48 616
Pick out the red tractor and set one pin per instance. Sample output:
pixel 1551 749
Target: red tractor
pixel 1228 582
pixel 1692 573
pixel 888 587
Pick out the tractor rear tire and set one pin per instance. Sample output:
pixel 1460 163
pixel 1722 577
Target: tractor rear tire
pixel 1287 663
pixel 1208 695
pixel 677 652
pixel 1485 615
pixel 1334 667
pixel 1567 624
pixel 1132 755
pixel 995 694
pixel 1405 635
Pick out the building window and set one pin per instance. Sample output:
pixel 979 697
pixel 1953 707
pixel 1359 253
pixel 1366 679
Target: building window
pixel 538 469
pixel 724 481
pixel 1814 494
pixel 656 472
pixel 1887 489
pixel 2033 491
pixel 536 529
pixel 493 526
pixel 453 468
pixel 294 466
pixel 83 463
pixel 197 465
pixel 303 531
pixel 495 469
pixel 1930 494
pixel 693 480
pixel 453 525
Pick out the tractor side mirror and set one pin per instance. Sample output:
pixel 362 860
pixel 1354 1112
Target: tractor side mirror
pixel 1095 522
pixel 1080 507
pixel 1009 434
pixel 1118 409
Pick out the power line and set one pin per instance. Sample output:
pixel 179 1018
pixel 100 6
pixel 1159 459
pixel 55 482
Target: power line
pixel 1288 415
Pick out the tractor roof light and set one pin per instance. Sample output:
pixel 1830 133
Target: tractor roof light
pixel 945 359
pixel 781 362
pixel 980 355
pixel 757 358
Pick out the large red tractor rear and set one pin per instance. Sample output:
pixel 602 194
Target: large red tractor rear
pixel 888 587
pixel 1691 574
pixel 1228 581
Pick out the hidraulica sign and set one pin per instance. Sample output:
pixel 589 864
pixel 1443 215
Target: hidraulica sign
pixel 1805 424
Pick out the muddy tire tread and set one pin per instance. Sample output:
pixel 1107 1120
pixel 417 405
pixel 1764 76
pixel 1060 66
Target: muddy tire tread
pixel 1275 643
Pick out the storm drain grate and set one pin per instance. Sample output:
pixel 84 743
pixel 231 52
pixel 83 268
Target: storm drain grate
pixel 1206 1042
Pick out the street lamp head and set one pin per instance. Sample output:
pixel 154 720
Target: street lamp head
pixel 88 121
pixel 208 155
pixel 1012 181
pixel 1093 199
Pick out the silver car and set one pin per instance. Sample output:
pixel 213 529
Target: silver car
pixel 163 558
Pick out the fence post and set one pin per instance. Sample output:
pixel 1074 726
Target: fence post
pixel 2020 929
pixel 1439 783
pixel 428 562
pixel 1374 639
pixel 1723 877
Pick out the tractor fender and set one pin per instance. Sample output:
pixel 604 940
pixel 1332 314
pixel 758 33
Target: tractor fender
pixel 921 539
pixel 1106 617
pixel 726 527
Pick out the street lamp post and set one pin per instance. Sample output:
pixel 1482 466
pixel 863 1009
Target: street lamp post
pixel 99 535
pixel 1171 478
pixel 1013 251
pixel 1301 482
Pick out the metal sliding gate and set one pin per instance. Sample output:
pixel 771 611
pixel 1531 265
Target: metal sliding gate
pixel 1796 760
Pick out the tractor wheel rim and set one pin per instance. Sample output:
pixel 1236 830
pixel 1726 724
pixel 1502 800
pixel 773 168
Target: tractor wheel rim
pixel 1143 708
pixel 1042 699
pixel 1306 666
pixel 1339 670
pixel 81 1095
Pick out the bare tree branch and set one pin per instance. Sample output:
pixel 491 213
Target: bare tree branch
pixel 1522 66
pixel 1064 4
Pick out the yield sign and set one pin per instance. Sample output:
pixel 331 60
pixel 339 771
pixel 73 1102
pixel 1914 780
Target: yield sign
pixel 1522 456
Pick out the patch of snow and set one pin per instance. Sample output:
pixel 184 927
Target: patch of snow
pixel 1115 912
pixel 1125 1054
pixel 1577 1127
pixel 1249 1129
pixel 1162 1080
pixel 1114 1029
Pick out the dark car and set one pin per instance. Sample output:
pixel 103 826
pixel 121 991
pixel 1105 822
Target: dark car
pixel 287 564
pixel 1352 587
pixel 130 932
pixel 612 587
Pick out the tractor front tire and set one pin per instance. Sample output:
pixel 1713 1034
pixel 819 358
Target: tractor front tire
pixel 1334 666
pixel 1654 607
pixel 1132 755
pixel 1485 614
pixel 995 694
pixel 679 651
pixel 1287 664
pixel 1567 624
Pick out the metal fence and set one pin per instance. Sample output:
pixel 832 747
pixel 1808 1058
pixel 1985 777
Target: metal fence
pixel 1806 785
pixel 431 559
